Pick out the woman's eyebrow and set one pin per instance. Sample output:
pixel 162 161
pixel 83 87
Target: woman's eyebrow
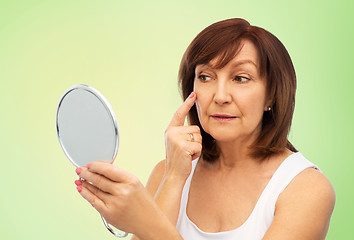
pixel 204 67
pixel 236 64
pixel 246 61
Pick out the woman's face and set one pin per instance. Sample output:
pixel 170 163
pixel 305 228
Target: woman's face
pixel 231 100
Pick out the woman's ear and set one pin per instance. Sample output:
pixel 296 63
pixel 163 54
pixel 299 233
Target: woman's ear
pixel 269 105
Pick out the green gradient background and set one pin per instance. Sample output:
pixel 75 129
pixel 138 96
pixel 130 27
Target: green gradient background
pixel 130 51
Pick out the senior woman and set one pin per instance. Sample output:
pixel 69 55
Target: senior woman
pixel 231 173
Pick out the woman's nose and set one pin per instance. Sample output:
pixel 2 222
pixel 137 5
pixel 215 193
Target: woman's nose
pixel 222 94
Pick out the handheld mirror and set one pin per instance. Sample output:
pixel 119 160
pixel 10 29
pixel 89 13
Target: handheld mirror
pixel 87 129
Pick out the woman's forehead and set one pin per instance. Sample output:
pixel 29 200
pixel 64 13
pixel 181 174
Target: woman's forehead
pixel 246 54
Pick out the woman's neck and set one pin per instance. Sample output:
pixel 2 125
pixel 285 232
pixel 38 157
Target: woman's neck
pixel 236 153
pixel 236 157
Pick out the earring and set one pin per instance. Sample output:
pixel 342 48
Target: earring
pixel 269 108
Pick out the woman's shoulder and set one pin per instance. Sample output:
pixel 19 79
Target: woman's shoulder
pixel 156 177
pixel 310 181
pixel 310 185
pixel 159 168
pixel 303 209
pixel 308 200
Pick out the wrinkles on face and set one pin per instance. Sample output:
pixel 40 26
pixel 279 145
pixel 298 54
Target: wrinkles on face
pixel 237 90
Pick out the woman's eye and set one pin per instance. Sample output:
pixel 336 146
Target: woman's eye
pixel 204 77
pixel 241 79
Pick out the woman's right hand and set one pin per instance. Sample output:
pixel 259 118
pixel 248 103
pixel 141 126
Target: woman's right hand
pixel 183 143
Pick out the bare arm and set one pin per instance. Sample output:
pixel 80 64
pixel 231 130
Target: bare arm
pixel 167 194
pixel 304 209
pixel 168 177
pixel 154 181
pixel 121 199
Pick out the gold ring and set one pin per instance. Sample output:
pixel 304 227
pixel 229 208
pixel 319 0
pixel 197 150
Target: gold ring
pixel 192 137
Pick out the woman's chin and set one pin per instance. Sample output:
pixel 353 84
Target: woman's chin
pixel 224 137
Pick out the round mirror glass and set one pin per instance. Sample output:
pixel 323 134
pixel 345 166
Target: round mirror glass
pixel 86 126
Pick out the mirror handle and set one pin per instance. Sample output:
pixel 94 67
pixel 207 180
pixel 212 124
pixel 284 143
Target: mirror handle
pixel 112 231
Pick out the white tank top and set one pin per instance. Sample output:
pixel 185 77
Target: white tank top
pixel 263 213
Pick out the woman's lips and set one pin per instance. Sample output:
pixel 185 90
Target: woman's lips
pixel 223 117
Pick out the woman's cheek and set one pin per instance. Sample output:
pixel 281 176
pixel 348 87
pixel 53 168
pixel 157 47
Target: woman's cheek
pixel 202 103
pixel 197 104
pixel 200 116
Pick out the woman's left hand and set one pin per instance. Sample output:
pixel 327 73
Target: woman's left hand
pixel 118 196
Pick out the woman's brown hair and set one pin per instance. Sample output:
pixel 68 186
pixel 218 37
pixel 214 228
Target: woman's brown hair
pixel 222 41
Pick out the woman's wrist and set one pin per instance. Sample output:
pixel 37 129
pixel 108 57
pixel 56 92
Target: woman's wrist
pixel 171 185
pixel 174 180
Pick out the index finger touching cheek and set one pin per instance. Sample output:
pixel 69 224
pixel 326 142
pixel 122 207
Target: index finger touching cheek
pixel 181 113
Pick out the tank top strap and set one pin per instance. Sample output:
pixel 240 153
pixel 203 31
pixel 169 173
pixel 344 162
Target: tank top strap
pixel 286 172
pixel 185 191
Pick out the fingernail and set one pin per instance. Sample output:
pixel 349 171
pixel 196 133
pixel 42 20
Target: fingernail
pixel 88 165
pixel 79 188
pixel 78 182
pixel 78 170
pixel 191 95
